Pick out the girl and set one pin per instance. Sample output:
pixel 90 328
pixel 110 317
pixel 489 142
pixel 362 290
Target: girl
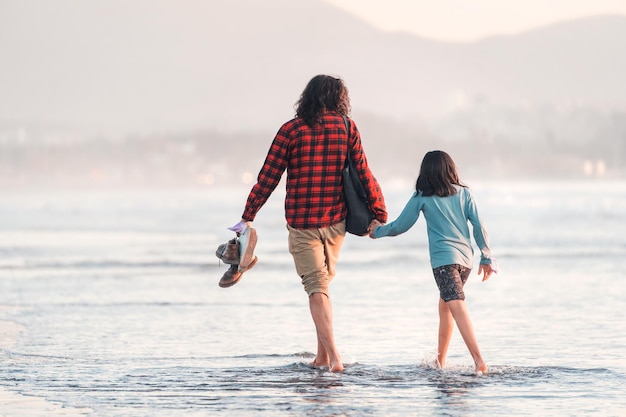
pixel 447 205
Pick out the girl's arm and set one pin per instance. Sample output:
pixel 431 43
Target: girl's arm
pixel 479 232
pixel 404 222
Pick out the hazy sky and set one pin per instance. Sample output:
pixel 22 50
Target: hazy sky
pixel 467 20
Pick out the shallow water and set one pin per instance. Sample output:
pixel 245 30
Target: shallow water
pixel 116 298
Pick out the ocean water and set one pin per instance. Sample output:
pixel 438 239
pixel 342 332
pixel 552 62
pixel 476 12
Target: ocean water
pixel 109 301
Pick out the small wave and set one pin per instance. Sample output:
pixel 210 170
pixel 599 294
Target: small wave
pixel 276 355
pixel 141 385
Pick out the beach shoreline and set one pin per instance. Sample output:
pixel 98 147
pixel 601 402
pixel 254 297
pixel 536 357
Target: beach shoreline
pixel 18 405
pixel 9 330
pixel 15 404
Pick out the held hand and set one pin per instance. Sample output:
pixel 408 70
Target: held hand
pixel 486 270
pixel 373 225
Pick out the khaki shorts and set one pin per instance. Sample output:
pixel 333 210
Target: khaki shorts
pixel 315 253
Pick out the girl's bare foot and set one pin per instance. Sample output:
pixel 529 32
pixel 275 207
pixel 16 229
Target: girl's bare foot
pixel 481 368
pixel 336 367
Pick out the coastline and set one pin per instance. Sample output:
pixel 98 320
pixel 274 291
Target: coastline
pixel 18 405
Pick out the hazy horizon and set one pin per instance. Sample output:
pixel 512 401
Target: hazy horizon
pixel 113 89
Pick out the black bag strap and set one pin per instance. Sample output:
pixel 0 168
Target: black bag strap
pixel 345 122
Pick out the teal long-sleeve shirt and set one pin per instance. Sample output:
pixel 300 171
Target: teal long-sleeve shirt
pixel 447 225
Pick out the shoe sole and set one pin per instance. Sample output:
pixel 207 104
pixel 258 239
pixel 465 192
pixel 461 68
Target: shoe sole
pixel 241 272
pixel 250 265
pixel 247 243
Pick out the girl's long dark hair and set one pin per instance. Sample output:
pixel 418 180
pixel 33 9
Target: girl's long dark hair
pixel 438 175
pixel 323 93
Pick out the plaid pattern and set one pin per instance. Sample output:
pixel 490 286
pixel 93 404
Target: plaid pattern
pixel 314 158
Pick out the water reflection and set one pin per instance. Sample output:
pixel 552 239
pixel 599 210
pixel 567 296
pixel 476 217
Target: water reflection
pixel 452 396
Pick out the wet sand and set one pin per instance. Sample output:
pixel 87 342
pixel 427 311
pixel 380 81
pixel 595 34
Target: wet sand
pixel 16 405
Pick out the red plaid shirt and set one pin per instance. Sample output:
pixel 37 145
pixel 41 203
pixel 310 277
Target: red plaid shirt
pixel 314 159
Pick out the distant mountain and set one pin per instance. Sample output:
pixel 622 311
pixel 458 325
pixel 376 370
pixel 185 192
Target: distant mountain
pixel 164 65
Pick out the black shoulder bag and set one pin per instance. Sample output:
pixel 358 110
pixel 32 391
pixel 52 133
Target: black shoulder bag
pixel 359 215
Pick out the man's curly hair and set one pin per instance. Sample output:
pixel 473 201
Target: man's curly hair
pixel 323 93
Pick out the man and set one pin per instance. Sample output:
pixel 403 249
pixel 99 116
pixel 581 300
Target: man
pixel 313 148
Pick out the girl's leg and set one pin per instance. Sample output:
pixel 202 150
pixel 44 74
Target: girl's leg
pixel 459 311
pixel 446 326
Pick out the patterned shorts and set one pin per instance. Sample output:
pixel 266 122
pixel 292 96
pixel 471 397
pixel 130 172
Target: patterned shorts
pixel 450 280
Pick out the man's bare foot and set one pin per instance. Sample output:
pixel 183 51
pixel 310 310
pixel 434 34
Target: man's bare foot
pixel 316 364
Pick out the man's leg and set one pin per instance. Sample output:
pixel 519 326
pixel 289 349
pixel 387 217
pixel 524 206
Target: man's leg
pixel 315 252
pixel 322 314
pixel 321 358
